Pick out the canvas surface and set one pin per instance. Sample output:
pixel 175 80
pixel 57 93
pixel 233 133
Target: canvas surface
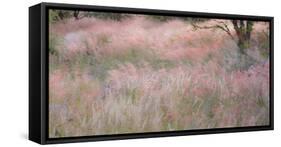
pixel 113 73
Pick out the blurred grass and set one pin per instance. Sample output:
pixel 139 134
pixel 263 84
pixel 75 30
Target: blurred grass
pixel 161 94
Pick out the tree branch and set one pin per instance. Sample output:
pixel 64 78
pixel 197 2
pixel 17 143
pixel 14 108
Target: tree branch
pixel 221 25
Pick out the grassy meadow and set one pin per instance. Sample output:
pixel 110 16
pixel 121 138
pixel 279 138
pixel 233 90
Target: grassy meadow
pixel 149 74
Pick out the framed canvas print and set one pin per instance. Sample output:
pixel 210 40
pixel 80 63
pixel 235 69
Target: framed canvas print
pixel 102 73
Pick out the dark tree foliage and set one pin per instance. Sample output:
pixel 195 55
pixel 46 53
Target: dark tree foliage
pixel 108 16
pixel 57 15
pixel 160 18
pixel 76 14
pixel 167 18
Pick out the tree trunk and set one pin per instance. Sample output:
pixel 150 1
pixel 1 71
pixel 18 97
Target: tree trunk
pixel 243 31
pixel 61 15
pixel 76 15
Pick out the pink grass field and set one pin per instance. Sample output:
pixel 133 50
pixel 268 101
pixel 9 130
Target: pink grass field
pixel 142 75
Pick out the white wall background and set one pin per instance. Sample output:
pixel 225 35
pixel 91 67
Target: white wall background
pixel 14 72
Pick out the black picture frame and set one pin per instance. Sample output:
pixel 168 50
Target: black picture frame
pixel 38 73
